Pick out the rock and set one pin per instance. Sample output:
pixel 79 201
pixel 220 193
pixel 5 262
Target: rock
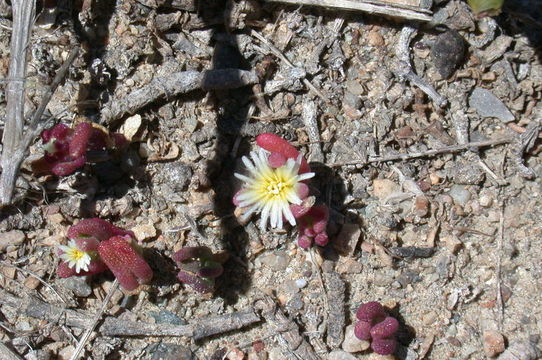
pixel 448 52
pixel 167 317
pixel 374 38
pixel 354 87
pixel 488 105
pixel 382 188
pixel 347 240
pixel 493 343
pixel 464 173
pixel 347 265
pixel 351 343
pixel 278 260
pixel 166 351
pixel 459 194
pixel 66 353
pixel 144 231
pixel 31 282
pixel 340 355
pixel 177 174
pixel 14 237
pixel 301 283
pixel 78 285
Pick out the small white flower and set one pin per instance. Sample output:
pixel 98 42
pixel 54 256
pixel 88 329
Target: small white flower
pixel 74 256
pixel 270 191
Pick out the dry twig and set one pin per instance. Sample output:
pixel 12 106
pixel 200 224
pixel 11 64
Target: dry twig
pixel 112 326
pixel 281 56
pixel 444 150
pixel 7 354
pixel 403 70
pixel 95 320
pixel 12 154
pixel 174 84
pixel 288 334
pixel 372 7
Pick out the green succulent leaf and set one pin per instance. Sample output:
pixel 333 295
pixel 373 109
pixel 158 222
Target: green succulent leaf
pixel 485 7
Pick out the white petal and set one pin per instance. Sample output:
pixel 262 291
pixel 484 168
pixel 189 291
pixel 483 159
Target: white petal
pixel 244 178
pixel 265 215
pixel 292 197
pixel 288 215
pixel 305 176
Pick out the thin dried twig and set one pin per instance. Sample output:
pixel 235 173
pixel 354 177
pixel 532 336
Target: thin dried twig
pixel 288 334
pixel 95 320
pixel 522 144
pixel 372 7
pixel 281 56
pixel 444 150
pixel 403 70
pixel 309 117
pixel 111 326
pixel 23 17
pixel 173 85
pixel 500 240
pixel 7 354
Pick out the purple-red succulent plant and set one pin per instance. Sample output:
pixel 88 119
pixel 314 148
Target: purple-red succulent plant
pixel 277 188
pixel 312 227
pixel 375 325
pixel 199 267
pixel 66 149
pixel 96 245
pixel 121 255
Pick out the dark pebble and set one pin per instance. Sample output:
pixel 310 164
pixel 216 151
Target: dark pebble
pixel 448 52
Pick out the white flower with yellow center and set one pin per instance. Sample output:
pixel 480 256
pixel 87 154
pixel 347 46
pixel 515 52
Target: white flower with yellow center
pixel 270 191
pixel 74 256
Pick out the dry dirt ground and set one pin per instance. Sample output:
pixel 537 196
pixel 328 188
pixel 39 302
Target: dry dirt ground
pixel 448 242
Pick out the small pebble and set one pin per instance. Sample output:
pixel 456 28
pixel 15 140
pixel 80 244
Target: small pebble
pixel 448 52
pixel 301 283
pixel 493 343
pixel 485 200
pixel 144 231
pixel 31 282
pixel 66 353
pixel 340 355
pixel 351 343
pixel 382 188
pixel 14 237
pixel 278 260
pixel 488 105
pixel 78 285
pixel 459 194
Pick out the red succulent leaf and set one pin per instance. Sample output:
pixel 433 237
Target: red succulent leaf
pixel 65 168
pixel 304 242
pixel 371 312
pixel 96 228
pixel 211 270
pixel 192 252
pixel 276 144
pixel 384 346
pixel 79 140
pixel 202 285
pixel 276 159
pixel 386 328
pixel 321 239
pixel 362 330
pixel 127 265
